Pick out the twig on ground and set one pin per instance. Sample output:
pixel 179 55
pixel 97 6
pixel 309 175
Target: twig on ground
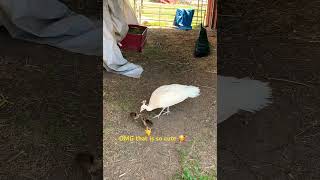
pixel 3 100
pixel 286 80
pixel 15 156
pixel 121 175
pixel 305 130
pixel 207 87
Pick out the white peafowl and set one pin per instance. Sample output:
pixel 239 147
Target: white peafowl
pixel 241 94
pixel 233 95
pixel 169 95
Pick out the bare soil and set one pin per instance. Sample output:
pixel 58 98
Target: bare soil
pixel 167 58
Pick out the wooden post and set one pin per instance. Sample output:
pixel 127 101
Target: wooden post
pixel 209 16
pixel 135 7
pixel 211 19
pixel 140 10
pixel 197 14
pixel 215 14
pixel 159 14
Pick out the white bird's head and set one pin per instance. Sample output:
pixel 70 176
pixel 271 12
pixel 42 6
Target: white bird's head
pixel 144 106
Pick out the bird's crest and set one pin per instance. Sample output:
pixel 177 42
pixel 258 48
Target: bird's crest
pixel 144 102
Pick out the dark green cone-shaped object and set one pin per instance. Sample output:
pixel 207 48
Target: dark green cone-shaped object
pixel 202 48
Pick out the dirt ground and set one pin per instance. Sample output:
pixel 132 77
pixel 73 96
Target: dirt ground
pixel 167 58
pixel 50 109
pixel 276 42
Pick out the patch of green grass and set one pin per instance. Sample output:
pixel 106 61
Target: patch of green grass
pixel 191 167
pixel 194 174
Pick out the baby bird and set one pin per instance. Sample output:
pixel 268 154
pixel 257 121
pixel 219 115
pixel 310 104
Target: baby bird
pixel 146 122
pixel 169 95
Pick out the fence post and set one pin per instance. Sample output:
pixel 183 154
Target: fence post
pixel 140 10
pixel 197 14
pixel 159 15
pixel 135 7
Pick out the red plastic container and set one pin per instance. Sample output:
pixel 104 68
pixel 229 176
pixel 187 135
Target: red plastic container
pixel 135 41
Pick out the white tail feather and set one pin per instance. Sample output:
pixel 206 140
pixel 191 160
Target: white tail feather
pixel 241 94
pixel 193 91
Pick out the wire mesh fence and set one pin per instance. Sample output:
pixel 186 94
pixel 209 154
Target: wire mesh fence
pixel 156 13
pixel 148 12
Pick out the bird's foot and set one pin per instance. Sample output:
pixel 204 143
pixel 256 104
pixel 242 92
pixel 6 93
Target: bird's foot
pixel 167 113
pixel 157 116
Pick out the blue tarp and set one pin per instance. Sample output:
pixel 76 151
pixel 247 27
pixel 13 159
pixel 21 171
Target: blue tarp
pixel 183 19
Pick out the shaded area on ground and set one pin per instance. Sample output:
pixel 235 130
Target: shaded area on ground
pixel 50 108
pixel 277 42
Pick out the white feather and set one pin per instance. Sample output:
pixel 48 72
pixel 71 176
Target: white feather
pixel 169 95
pixel 241 94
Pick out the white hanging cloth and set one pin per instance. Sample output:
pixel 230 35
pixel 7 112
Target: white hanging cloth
pixel 53 23
pixel 116 17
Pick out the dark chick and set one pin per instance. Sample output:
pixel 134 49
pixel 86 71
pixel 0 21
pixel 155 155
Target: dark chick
pixel 145 122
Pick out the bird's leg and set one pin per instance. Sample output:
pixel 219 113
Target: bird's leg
pixel 168 111
pixel 158 116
